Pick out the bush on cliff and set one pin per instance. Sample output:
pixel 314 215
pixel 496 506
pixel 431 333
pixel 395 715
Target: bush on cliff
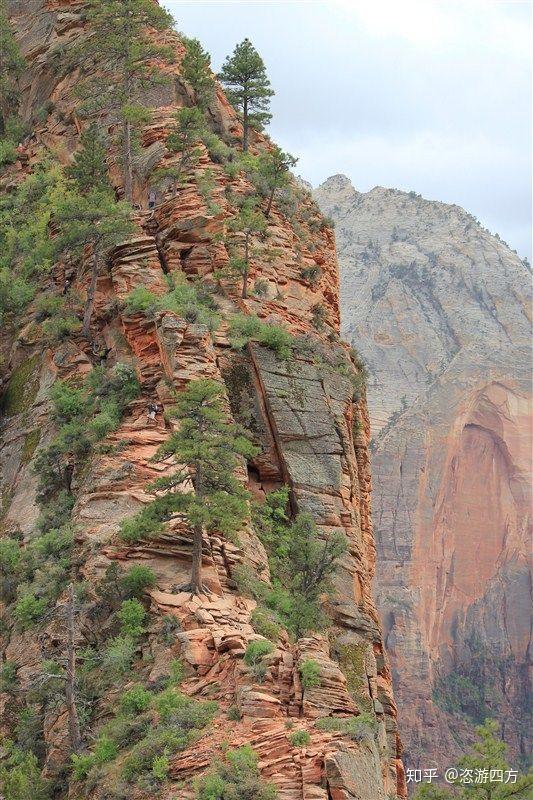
pixel 20 776
pixel 301 564
pixel 237 777
pixel 193 303
pixel 245 328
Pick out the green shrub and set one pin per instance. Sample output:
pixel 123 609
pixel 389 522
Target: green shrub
pixel 105 750
pixel 137 579
pixel 234 714
pixel 132 616
pixel 60 327
pixel 141 301
pixel 235 778
pixel 20 775
pixel 185 299
pixel 81 765
pixel 118 656
pixel 8 153
pixel 29 610
pixel 8 676
pixel 299 738
pixel 256 651
pixel 160 767
pixel 309 673
pixel 247 327
pixel 318 316
pixel 176 672
pixel 148 522
pixel 125 731
pixel 255 655
pixel 183 713
pixel 141 757
pixel 357 728
pixel 135 700
pixel 264 623
pixel 169 702
pixel 311 274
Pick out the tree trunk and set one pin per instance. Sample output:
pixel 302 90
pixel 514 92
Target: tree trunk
pixel 91 292
pixel 245 126
pixel 246 266
pixel 128 167
pixel 269 204
pixel 70 687
pixel 196 570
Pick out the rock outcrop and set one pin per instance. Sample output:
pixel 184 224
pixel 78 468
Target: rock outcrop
pixel 310 426
pixel 440 311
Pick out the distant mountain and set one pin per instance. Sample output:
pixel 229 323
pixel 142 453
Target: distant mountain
pixel 439 309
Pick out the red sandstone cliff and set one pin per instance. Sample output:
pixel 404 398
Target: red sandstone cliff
pixel 441 312
pixel 312 436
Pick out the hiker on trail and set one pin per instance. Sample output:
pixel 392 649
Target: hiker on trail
pixel 151 411
pixel 151 199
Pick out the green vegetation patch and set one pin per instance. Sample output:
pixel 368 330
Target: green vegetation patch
pixel 31 441
pixel 352 663
pixel 22 388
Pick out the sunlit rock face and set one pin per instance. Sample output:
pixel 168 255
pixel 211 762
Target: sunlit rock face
pixel 439 309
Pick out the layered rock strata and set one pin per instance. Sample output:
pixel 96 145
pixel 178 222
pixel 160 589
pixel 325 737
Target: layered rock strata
pixel 440 311
pixel 311 429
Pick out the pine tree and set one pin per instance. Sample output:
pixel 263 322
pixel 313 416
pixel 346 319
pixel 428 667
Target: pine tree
pixel 11 67
pixel 196 69
pixel 487 754
pixel 247 87
pixel 311 563
pixel 273 172
pixel 183 139
pixel 247 222
pixel 93 221
pixel 89 168
pixel 119 40
pixel 208 448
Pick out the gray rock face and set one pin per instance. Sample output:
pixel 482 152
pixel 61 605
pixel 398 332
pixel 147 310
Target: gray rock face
pixel 440 311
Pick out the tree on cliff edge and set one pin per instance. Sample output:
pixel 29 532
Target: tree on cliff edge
pixel 247 87
pixel 196 69
pixel 89 168
pixel 207 447
pixel 119 57
pixel 91 222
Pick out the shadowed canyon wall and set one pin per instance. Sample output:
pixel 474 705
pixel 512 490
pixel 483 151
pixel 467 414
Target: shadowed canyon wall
pixel 440 311
pixel 309 423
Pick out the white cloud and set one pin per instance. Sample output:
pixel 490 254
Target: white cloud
pixel 427 95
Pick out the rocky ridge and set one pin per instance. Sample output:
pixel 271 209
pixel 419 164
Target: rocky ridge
pixel 311 428
pixel 440 311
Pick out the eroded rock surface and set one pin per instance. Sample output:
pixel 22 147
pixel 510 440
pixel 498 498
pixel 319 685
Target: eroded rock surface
pixel 311 428
pixel 440 311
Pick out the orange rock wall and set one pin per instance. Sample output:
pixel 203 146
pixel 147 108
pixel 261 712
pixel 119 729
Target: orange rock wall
pixel 305 423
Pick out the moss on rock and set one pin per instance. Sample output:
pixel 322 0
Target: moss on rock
pixel 352 662
pixel 30 444
pixel 22 388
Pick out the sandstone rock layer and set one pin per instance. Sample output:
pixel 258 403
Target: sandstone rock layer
pixel 440 310
pixel 311 431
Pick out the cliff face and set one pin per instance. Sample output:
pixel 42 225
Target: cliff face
pixel 439 310
pixel 312 435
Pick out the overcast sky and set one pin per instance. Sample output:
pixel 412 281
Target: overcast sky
pixel 412 94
